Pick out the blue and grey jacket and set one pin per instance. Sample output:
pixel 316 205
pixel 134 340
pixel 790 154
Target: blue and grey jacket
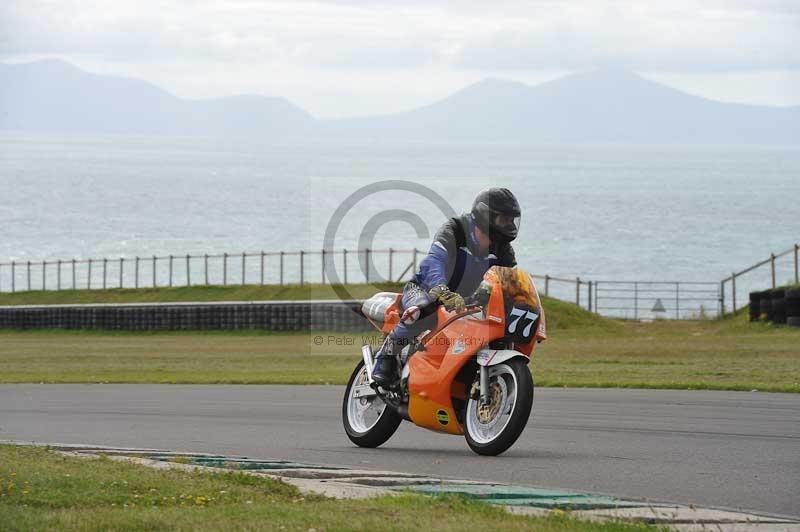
pixel 454 258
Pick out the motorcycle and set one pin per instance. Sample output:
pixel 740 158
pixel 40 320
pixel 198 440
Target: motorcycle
pixel 468 374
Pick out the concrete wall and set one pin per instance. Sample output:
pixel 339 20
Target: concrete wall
pixel 340 316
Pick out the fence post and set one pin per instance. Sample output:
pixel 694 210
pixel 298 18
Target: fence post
pixel 13 276
pixel 89 276
pixel 262 268
pixel 345 265
pixel 677 301
pixel 366 254
pixel 121 268
pixel 244 272
pixel 171 258
pixel 722 298
pixel 772 265
pixel 281 269
pixel 391 255
pixel 578 291
pixel 105 271
pixel 635 300
pixel 136 273
pixel 58 270
pixel 414 262
pixel 188 271
pixel 546 285
pixel 224 269
pixel 44 275
pixel 590 296
pixel 796 273
pixel 596 297
pixel 29 277
pixel 205 267
pixel 302 267
pixel 74 285
pixel 154 270
pixel 323 266
pixel 733 291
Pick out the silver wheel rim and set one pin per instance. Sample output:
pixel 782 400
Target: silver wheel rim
pixel 503 387
pixel 363 412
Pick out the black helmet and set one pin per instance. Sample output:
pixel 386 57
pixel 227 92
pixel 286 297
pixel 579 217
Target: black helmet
pixel 496 212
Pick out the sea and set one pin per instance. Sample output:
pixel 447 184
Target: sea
pixel 599 212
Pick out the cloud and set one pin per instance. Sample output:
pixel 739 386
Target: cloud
pixel 318 51
pixel 636 37
pixel 314 34
pixel 359 34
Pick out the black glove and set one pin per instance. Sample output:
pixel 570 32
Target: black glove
pixel 451 301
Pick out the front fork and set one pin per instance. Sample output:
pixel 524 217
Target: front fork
pixel 484 380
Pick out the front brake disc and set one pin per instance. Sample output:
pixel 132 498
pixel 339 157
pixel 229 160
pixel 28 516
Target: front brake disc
pixel 487 412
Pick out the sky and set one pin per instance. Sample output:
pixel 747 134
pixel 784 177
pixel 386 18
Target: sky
pixel 355 57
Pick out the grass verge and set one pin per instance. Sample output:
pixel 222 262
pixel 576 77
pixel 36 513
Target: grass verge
pixel 583 349
pixel 718 355
pixel 42 490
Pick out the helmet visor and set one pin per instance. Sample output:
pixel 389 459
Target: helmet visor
pixel 507 224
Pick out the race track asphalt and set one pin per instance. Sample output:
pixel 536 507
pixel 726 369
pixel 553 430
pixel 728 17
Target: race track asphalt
pixel 735 450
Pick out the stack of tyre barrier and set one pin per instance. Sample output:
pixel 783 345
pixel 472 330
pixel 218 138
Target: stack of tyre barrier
pixel 793 307
pixel 779 305
pixel 755 306
pixel 336 316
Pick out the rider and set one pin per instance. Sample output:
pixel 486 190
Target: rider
pixel 462 250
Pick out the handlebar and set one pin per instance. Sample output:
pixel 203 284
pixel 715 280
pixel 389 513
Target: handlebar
pixel 473 303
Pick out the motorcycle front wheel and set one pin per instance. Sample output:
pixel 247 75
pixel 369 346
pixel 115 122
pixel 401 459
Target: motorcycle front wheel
pixel 368 421
pixel 492 428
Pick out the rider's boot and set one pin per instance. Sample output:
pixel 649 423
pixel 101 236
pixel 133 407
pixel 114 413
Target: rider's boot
pixel 384 372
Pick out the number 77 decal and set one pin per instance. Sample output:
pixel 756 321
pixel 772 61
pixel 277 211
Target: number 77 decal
pixel 520 313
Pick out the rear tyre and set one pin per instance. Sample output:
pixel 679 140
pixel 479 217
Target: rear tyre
pixel 493 428
pixel 368 421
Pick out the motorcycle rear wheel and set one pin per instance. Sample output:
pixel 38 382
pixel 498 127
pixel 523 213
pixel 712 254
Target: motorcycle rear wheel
pixel 368 422
pixel 492 429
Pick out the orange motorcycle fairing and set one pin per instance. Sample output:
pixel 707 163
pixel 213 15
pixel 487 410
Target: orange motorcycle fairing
pixel 433 383
pixel 433 372
pixel 512 287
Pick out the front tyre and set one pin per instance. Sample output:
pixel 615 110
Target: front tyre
pixel 492 428
pixel 368 421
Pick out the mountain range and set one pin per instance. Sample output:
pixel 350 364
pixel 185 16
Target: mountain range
pixel 604 106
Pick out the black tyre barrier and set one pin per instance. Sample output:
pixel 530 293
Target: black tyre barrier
pixel 778 298
pixel 755 306
pixel 792 303
pixel 333 316
pixel 765 306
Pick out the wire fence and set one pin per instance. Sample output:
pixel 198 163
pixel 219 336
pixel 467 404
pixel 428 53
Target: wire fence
pixel 777 270
pixel 638 300
pixel 254 268
pixel 246 268
pixel 648 300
